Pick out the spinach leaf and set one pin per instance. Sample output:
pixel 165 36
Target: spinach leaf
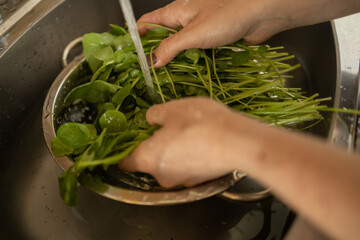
pixel 113 121
pixel 68 186
pixel 193 54
pixel 94 92
pixel 76 135
pixel 122 42
pixel 239 58
pixel 120 96
pixel 140 119
pixel 92 182
pixel 92 42
pixel 117 30
pixel 59 148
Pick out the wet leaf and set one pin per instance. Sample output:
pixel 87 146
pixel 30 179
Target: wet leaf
pixel 75 135
pixel 239 58
pixel 94 92
pixel 59 148
pixel 120 96
pixel 113 121
pixel 68 187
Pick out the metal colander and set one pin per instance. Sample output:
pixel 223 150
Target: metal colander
pixel 135 188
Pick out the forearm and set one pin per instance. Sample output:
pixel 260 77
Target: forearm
pixel 307 12
pixel 317 180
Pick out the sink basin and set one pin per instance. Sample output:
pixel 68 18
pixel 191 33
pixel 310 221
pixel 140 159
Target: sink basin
pixel 31 206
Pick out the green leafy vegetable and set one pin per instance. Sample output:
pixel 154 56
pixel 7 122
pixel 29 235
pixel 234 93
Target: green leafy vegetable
pixel 94 92
pixel 113 121
pixel 250 79
pixel 76 135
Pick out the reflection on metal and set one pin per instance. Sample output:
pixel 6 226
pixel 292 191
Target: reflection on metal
pixel 21 20
pixel 344 126
pixel 13 18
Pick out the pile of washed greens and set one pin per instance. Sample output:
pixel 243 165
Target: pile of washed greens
pixel 249 79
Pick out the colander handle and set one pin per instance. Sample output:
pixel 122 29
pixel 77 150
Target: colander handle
pixel 244 197
pixel 67 50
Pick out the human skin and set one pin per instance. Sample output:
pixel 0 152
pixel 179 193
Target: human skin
pixel 211 23
pixel 201 139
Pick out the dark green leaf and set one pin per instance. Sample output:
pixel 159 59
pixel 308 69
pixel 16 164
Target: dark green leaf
pixel 193 54
pixel 93 183
pixel 117 30
pixel 120 96
pixel 263 49
pixel 240 58
pixel 140 119
pixel 189 90
pixel 59 148
pixel 142 103
pixel 75 135
pixel 113 121
pixel 156 33
pixel 93 92
pixel 68 187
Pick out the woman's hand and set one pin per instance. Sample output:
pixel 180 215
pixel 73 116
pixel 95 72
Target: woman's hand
pixel 212 23
pixel 194 144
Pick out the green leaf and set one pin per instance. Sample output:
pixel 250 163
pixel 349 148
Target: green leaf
pixel 156 33
pixel 59 148
pixel 140 119
pixel 142 103
pixel 239 58
pixel 91 43
pixel 123 59
pixel 122 42
pixel 263 49
pixel 106 73
pixel 102 108
pixel 190 90
pixel 193 54
pixel 94 92
pixel 113 121
pixel 120 96
pixel 104 53
pixel 68 187
pixel 75 135
pixel 93 183
pixel 117 30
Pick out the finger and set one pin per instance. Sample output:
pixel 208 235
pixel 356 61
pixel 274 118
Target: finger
pixel 141 157
pixel 170 47
pixel 160 16
pixel 157 114
pixel 146 157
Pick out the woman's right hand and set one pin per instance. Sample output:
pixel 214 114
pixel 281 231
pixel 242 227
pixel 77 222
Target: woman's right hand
pixel 212 23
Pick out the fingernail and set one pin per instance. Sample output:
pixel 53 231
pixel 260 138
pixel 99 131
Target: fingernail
pixel 148 59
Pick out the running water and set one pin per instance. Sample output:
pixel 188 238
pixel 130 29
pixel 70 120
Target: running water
pixel 131 23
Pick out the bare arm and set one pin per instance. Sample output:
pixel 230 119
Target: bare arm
pixel 201 139
pixel 211 23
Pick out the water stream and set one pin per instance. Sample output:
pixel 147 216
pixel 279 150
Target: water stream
pixel 131 23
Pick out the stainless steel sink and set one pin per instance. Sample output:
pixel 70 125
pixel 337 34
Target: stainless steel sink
pixel 30 204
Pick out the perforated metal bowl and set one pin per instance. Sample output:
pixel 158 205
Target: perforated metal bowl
pixel 128 187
